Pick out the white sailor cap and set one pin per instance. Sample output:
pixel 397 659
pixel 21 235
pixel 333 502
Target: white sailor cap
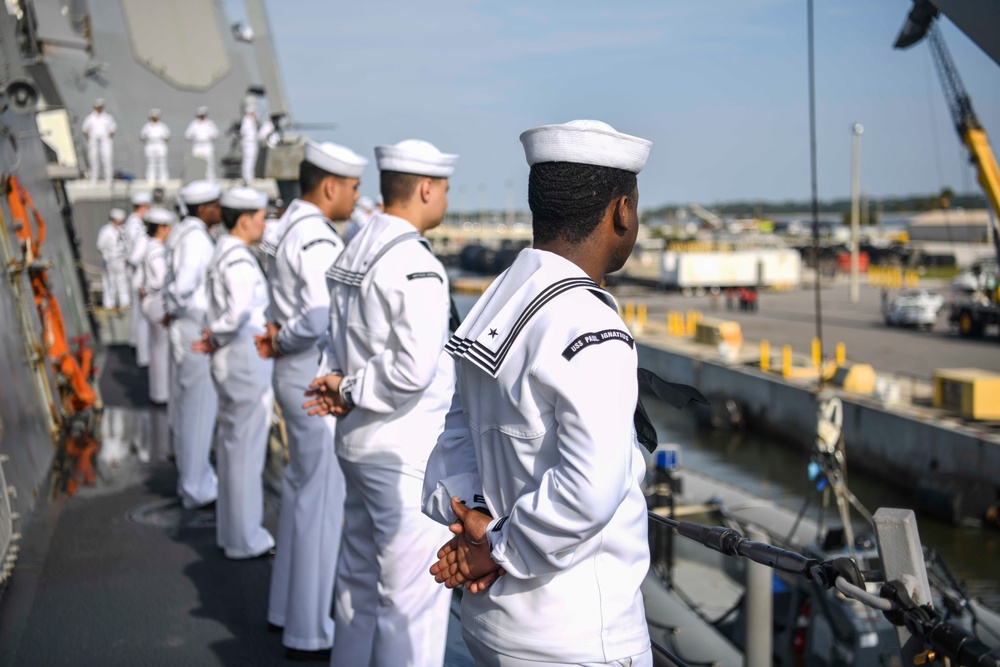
pixel 116 214
pixel 159 216
pixel 142 199
pixel 244 199
pixel 414 156
pixel 201 111
pixel 200 192
pixel 585 142
pixel 335 159
pixel 154 112
pixel 99 102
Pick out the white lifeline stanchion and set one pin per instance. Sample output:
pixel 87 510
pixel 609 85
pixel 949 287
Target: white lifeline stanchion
pixel 903 560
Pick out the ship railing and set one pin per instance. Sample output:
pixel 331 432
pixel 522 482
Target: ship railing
pixel 904 595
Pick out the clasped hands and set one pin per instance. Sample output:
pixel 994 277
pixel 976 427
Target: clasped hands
pixel 325 398
pixel 204 345
pixel 267 342
pixel 465 559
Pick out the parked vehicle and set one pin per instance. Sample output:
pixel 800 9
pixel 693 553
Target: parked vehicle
pixel 914 308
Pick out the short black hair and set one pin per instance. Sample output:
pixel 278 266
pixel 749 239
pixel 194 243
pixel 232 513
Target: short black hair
pixel 151 228
pixel 397 187
pixel 311 176
pixel 568 199
pixel 230 216
pixel 194 210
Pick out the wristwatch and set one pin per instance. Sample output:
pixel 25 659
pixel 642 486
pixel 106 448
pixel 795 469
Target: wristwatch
pixel 347 389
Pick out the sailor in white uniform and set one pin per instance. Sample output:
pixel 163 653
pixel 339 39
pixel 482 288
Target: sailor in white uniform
pixel 237 301
pixel 202 133
pixel 539 443
pixel 389 316
pixel 136 241
pixel 248 143
pixel 153 274
pixel 301 247
pixel 99 128
pixel 193 398
pixel 155 134
pixel 111 243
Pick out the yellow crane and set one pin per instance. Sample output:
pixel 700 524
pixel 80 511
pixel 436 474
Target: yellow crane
pixel 972 317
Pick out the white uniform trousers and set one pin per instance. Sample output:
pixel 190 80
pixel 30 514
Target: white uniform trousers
pixel 388 611
pixel 138 329
pixel 159 350
pixel 114 281
pixel 249 162
pixel 312 505
pixel 156 163
pixel 194 403
pixel 99 149
pixel 207 153
pixel 484 656
pixel 246 401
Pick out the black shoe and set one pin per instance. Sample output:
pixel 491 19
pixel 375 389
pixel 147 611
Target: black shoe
pixel 274 629
pixel 298 655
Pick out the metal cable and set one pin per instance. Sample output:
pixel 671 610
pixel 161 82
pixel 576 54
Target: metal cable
pixel 863 596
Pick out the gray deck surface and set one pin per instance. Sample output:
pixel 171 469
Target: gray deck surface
pixel 93 586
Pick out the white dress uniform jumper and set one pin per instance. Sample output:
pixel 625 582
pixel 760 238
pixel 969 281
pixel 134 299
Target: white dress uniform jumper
pixel 194 400
pixel 300 248
pixel 136 241
pixel 154 135
pixel 98 128
pixel 237 301
pixel 154 273
pixel 556 463
pixel 389 321
pixel 111 244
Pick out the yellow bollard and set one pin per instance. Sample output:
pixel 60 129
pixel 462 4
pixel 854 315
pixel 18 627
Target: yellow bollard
pixel 816 352
pixel 678 324
pixel 691 323
pixel 629 313
pixel 786 360
pixel 641 316
pixel 841 354
pixel 765 356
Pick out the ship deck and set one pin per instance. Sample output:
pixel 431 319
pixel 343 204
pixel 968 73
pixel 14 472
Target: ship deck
pixel 119 574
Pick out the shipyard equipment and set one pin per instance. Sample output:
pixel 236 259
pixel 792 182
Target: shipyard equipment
pixel 970 315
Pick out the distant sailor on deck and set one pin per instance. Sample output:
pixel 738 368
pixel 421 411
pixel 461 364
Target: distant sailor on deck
pixel 301 247
pixel 155 134
pixel 202 133
pixel 136 241
pixel 112 245
pixel 539 442
pixel 99 128
pixel 194 401
pixel 153 273
pixel 248 143
pixel 389 316
pixel 237 301
pixel 363 213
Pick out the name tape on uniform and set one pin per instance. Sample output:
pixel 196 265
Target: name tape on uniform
pixel 594 338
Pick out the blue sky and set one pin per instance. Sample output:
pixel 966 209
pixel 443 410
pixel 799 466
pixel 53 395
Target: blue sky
pixel 720 88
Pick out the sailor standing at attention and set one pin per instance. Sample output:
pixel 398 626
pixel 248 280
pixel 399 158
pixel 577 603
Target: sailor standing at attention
pixel 112 245
pixel 392 382
pixel 539 443
pixel 202 133
pixel 248 143
pixel 237 299
pixel 153 273
pixel 300 248
pixel 193 398
pixel 99 128
pixel 136 241
pixel 155 134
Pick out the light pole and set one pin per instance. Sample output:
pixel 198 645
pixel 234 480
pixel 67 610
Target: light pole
pixel 856 131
